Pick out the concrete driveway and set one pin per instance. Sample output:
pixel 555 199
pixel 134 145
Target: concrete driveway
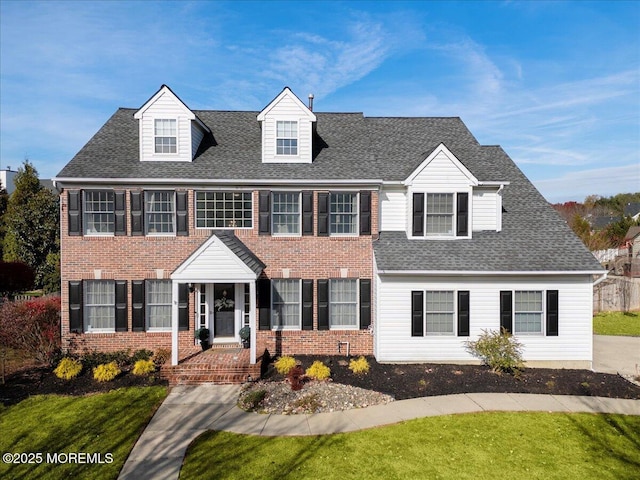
pixel 616 354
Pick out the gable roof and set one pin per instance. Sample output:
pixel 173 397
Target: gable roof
pixel 632 233
pixel 632 209
pixel 286 92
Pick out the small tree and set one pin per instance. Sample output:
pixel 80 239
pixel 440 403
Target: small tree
pixel 499 350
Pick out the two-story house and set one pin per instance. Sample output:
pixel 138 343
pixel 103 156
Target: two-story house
pixel 398 237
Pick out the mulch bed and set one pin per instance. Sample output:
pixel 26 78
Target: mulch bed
pixel 41 381
pixel 404 381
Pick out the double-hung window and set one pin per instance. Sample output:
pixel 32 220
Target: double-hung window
pixel 165 135
pixel 439 214
pixel 285 303
pixel 439 312
pixel 99 305
pixel 99 216
pixel 528 312
pixel 286 137
pixel 158 304
pixel 343 304
pixel 224 210
pixel 160 212
pixel 343 216
pixel 285 215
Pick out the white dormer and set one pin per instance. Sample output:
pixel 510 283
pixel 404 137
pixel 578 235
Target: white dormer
pixel 287 130
pixel 169 131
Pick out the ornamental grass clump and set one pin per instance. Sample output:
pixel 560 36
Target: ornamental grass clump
pixel 143 367
pixel 106 372
pixel 318 370
pixel 359 366
pixel 499 350
pixel 285 364
pixel 68 368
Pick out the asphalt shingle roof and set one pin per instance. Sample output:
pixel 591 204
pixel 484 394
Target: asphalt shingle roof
pixel 351 146
pixel 240 250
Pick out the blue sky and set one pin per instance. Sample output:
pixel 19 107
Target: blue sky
pixel 557 84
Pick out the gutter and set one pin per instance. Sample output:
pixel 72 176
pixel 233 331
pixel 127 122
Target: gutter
pixel 487 273
pixel 213 182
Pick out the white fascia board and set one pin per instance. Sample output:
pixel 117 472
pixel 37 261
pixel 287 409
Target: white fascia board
pixel 493 184
pixel 164 90
pixel 215 182
pixel 286 92
pixel 487 273
pixel 442 148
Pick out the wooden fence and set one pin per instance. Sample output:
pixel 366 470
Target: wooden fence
pixel 617 293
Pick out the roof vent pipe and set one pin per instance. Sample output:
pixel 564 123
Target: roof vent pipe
pixel 311 102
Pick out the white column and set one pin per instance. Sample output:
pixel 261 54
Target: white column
pixel 252 321
pixel 174 323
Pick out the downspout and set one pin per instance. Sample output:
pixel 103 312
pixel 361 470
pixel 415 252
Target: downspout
pixel 601 279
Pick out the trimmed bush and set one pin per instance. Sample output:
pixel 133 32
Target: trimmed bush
pixel 161 356
pixel 318 370
pixel 141 355
pixel 143 367
pixel 106 372
pixel 499 350
pixel 359 366
pixel 68 368
pixel 285 364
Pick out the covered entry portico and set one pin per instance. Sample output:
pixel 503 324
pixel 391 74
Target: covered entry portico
pixel 223 273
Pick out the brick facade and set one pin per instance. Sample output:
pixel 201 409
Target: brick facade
pixel 129 258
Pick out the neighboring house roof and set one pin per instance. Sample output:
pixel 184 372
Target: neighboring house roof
pixel 598 223
pixel 632 233
pixel 631 209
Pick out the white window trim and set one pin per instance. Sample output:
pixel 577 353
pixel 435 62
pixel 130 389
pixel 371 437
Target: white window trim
pixel 86 305
pixel 290 235
pixel 146 309
pixel 409 210
pixel 153 126
pixel 297 138
pixel 357 226
pixel 454 332
pixel 195 207
pixel 287 327
pixel 543 315
pixel 84 216
pixel 357 322
pixel 147 233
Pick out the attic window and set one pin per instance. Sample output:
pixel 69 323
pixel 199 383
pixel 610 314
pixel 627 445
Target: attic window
pixel 165 132
pixel 286 138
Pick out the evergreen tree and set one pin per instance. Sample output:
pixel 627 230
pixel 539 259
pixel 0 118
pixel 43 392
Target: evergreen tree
pixel 32 223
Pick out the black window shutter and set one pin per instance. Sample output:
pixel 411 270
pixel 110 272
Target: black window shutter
pixel 74 209
pixel 323 214
pixel 552 313
pixel 307 304
pixel 463 313
pixel 417 313
pixel 264 212
pixel 365 303
pixel 120 210
pixel 183 306
pixel 182 217
pixel 137 306
pixel 506 310
pixel 121 306
pixel 75 307
pixel 264 304
pixel 418 214
pixel 365 212
pixel 462 215
pixel 137 222
pixel 323 304
pixel 307 213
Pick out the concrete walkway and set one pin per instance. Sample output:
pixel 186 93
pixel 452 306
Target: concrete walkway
pixel 616 354
pixel 189 411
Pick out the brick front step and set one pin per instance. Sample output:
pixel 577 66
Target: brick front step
pixel 220 366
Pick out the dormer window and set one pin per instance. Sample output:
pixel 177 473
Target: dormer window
pixel 286 137
pixel 439 214
pixel 166 135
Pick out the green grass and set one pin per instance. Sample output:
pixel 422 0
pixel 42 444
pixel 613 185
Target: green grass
pixel 473 446
pixel 104 423
pixel 617 323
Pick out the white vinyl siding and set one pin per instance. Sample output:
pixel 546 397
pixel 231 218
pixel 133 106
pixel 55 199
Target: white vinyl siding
pixel 197 134
pixel 158 305
pixel 441 174
pixel 100 305
pixel 224 210
pixel 160 212
pixel 98 212
pixel 285 213
pixel 286 299
pixel 343 304
pixel 485 209
pixel 393 210
pixel 394 342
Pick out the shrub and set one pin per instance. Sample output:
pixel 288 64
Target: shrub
pixel 141 355
pixel 95 358
pixel 499 350
pixel 295 377
pixel 318 370
pixel 252 400
pixel 285 364
pixel 162 356
pixel 359 366
pixel 68 368
pixel 142 367
pixel 106 372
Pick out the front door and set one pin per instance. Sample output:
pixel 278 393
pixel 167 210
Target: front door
pixel 223 310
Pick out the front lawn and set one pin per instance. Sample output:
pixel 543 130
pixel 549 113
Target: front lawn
pixel 56 426
pixel 617 323
pixel 474 446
